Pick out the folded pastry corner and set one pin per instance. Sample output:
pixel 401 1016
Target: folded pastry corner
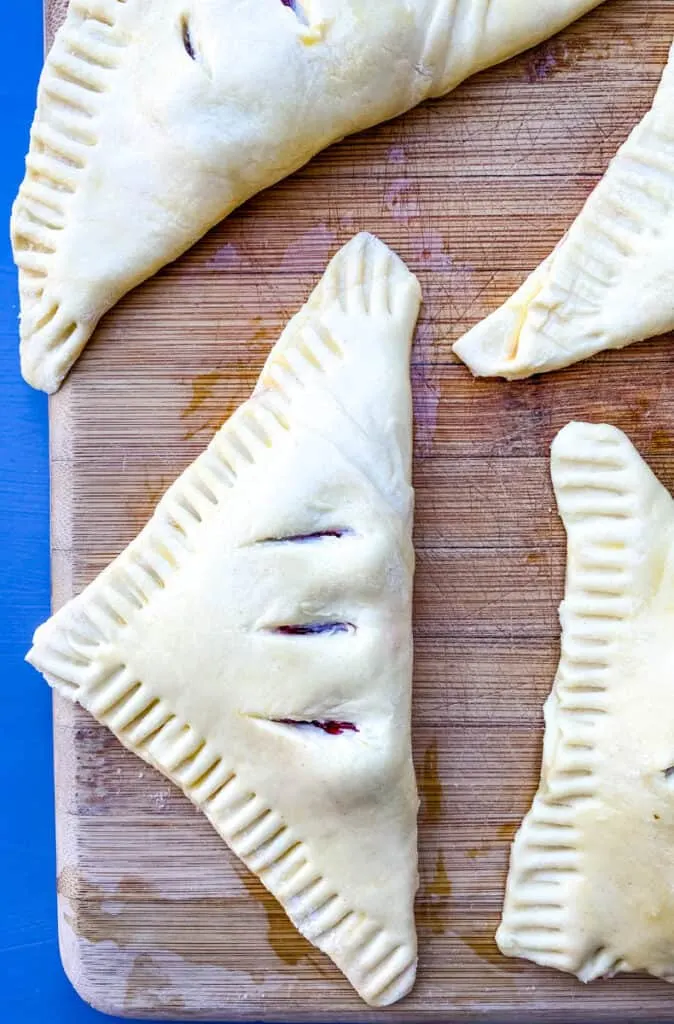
pixel 591 882
pixel 610 281
pixel 254 642
pixel 156 118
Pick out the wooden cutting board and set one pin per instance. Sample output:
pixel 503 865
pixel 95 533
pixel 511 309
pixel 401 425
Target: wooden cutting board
pixel 157 918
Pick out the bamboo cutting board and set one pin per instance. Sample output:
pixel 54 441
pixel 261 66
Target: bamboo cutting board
pixel 157 918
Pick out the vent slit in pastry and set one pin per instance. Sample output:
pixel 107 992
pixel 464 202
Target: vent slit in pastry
pixel 166 646
pixel 187 39
pixel 297 8
pixel 329 726
pixel 315 629
pixel 306 538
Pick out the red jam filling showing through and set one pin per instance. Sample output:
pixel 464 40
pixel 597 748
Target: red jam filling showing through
pixel 330 727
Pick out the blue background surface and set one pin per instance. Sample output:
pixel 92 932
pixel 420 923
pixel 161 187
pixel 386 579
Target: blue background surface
pixel 33 986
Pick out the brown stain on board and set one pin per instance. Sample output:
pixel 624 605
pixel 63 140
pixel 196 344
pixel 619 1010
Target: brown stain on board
pixel 289 945
pixel 435 892
pixel 441 885
pixel 204 411
pixel 268 329
pixel 506 832
pixel 430 787
pixel 150 984
pixel 143 500
pixel 154 492
pixel 203 387
pixel 136 917
pixel 432 908
pixel 660 442
pixel 639 408
pixel 264 334
pixel 283 937
pixel 483 945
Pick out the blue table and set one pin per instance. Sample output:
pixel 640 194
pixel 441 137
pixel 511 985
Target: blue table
pixel 34 987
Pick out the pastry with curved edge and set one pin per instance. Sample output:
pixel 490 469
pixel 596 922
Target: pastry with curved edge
pixel 610 281
pixel 156 118
pixel 254 641
pixel 591 882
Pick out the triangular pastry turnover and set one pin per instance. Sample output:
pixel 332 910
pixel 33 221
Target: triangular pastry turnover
pixel 591 882
pixel 610 281
pixel 254 641
pixel 156 118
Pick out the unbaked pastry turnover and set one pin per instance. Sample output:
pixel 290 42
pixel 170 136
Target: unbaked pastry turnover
pixel 610 281
pixel 254 641
pixel 156 118
pixel 591 882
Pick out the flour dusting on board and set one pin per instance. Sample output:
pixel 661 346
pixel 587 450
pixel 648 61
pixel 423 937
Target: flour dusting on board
pixel 226 258
pixel 313 248
pixel 397 155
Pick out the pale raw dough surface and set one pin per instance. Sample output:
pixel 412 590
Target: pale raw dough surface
pixel 181 648
pixel 610 281
pixel 591 883
pixel 156 118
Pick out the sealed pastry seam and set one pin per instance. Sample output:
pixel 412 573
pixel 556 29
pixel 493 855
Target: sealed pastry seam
pixel 156 118
pixel 87 52
pixel 380 967
pixel 132 609
pixel 590 865
pixel 609 281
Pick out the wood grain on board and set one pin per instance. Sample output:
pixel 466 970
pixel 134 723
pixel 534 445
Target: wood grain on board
pixel 158 919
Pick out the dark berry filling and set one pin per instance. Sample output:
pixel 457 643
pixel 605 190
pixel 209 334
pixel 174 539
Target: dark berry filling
pixel 332 728
pixel 315 628
pixel 187 41
pixel 303 538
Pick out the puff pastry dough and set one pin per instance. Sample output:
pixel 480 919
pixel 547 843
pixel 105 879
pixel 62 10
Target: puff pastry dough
pixel 254 642
pixel 610 281
pixel 591 883
pixel 156 118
